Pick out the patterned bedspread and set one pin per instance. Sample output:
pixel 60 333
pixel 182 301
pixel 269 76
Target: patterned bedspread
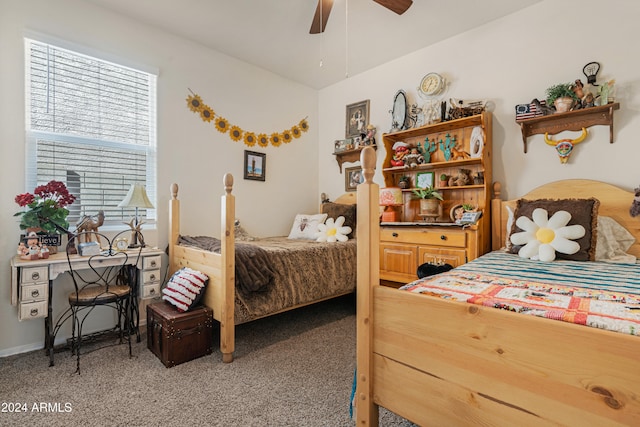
pixel 597 294
pixel 301 272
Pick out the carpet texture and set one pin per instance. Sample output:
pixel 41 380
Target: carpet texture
pixel 292 369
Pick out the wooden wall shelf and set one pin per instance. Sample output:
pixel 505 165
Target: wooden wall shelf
pixel 572 120
pixel 350 156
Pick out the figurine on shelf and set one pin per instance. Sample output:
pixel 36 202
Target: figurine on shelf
pixel 368 138
pixel 427 149
pixel 413 159
pixel 463 177
pixel 447 145
pixel 400 149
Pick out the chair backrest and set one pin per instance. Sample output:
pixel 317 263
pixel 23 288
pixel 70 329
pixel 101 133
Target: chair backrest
pixel 101 262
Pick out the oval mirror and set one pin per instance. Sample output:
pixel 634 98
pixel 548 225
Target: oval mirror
pixel 399 112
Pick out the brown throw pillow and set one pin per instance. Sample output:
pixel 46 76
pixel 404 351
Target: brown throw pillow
pixel 583 212
pixel 334 210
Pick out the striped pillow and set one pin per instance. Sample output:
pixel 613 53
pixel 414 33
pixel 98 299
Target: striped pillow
pixel 185 288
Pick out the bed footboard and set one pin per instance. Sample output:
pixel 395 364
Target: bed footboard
pixel 220 294
pixel 440 362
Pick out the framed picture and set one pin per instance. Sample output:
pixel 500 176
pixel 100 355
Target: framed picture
pixel 254 165
pixel 357 119
pixel 424 179
pixel 352 177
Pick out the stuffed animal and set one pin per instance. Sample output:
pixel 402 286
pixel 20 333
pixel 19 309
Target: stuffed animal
pixel 463 177
pixel 413 159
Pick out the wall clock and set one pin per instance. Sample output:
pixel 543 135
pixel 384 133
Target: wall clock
pixel 432 84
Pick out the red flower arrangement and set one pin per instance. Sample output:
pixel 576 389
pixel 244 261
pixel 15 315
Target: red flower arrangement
pixel 46 208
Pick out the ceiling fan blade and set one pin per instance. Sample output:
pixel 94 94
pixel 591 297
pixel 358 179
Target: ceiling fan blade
pixel 316 26
pixel 397 6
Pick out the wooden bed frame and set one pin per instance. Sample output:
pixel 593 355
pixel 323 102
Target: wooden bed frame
pixel 220 294
pixel 446 363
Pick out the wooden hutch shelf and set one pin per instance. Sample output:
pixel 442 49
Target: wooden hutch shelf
pixel 350 155
pixel 572 120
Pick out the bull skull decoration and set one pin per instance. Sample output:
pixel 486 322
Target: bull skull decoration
pixel 564 147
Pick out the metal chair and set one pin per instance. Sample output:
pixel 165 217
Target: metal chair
pixel 109 281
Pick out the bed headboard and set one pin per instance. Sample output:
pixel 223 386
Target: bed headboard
pixel 346 199
pixel 615 202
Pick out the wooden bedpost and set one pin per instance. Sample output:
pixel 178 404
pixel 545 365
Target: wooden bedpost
pixel 227 321
pixel 497 238
pixel 368 232
pixel 174 226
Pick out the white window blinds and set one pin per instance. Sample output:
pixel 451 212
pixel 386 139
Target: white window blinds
pixel 90 124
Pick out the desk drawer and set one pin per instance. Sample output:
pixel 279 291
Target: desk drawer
pixel 30 275
pixel 151 276
pixel 32 310
pixel 150 262
pixel 449 238
pixel 151 290
pixel 36 292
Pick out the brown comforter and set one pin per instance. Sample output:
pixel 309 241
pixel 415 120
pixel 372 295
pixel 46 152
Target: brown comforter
pixel 299 272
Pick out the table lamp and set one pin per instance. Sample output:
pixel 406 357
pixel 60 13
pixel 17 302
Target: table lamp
pixel 390 197
pixel 135 198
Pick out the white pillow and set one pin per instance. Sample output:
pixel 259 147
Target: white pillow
pixel 333 231
pixel 613 242
pixel 306 226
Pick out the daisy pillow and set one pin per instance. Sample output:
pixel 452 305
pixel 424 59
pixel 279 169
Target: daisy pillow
pixel 333 231
pixel 543 236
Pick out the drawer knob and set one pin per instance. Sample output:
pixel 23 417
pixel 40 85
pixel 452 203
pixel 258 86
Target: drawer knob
pixel 443 237
pixel 395 234
pixel 35 275
pixel 153 263
pixel 35 293
pixel 152 277
pixel 33 312
pixel 152 292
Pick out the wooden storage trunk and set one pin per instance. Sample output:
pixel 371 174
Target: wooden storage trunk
pixel 177 337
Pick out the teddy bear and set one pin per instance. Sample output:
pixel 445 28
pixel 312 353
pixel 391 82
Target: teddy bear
pixel 463 177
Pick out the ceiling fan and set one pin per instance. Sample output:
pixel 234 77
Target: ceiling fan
pixel 323 9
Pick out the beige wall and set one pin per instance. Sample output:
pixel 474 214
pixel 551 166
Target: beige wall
pixel 511 61
pixel 190 152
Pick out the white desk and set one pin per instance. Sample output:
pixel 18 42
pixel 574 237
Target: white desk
pixel 32 284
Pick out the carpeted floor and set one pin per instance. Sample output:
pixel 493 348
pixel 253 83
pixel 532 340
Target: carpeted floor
pixel 293 369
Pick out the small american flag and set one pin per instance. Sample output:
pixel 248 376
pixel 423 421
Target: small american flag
pixel 528 111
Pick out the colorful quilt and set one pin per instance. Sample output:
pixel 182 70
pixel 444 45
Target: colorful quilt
pixel 597 294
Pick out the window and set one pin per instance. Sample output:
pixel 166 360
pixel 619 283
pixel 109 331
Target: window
pixel 91 124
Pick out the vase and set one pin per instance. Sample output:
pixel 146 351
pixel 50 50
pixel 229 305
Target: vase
pixel 430 209
pixel 563 104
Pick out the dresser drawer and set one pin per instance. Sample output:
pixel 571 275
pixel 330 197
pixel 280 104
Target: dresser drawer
pixel 151 290
pixel 151 276
pixel 34 274
pixel 32 310
pixel 37 292
pixel 150 262
pixel 449 238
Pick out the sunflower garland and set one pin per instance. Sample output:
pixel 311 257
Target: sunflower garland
pixel 195 104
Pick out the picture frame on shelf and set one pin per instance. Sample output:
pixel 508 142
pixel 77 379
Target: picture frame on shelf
pixel 352 177
pixel 425 179
pixel 357 119
pixel 255 165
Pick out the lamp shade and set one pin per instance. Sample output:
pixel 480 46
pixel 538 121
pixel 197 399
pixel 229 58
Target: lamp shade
pixel 391 196
pixel 136 198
